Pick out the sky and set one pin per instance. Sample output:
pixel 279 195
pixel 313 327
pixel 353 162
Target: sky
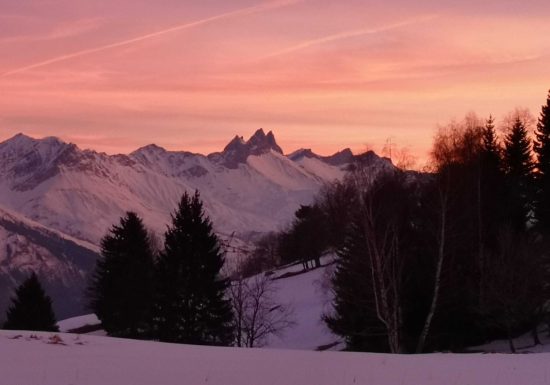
pixel 190 75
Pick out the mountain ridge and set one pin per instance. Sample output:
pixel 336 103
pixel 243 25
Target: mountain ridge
pixel 258 143
pixel 47 179
pixel 249 189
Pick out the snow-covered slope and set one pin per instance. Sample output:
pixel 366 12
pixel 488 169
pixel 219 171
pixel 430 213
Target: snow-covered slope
pixel 61 262
pixel 248 189
pixel 43 359
pixel 308 295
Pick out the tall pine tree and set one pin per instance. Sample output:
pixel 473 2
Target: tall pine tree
pixel 121 292
pixel 518 165
pixel 541 148
pixel 31 308
pixel 492 185
pixel 490 147
pixel 190 305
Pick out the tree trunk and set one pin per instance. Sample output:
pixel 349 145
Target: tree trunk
pixel 481 257
pixel 511 344
pixel 535 334
pixel 510 340
pixel 437 281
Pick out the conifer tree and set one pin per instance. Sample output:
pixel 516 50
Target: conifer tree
pixel 372 289
pixel 541 148
pixel 121 292
pixel 492 185
pixel 354 317
pixel 518 166
pixel 31 308
pixel 190 305
pixel 309 235
pixel 490 146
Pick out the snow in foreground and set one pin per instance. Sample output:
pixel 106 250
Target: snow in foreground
pixel 35 359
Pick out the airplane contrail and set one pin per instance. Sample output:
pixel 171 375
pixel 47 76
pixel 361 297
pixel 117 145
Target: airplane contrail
pixel 346 35
pixel 240 12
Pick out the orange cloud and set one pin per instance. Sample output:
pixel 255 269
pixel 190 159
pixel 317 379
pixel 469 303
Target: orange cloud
pixel 64 32
pixel 325 81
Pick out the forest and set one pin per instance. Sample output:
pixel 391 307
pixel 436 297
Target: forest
pixel 443 259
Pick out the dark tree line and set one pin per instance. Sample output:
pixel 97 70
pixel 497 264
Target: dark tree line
pixel 440 260
pixel 454 257
pixel 316 229
pixel 178 295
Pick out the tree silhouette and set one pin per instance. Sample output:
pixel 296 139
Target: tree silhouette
pixel 190 305
pixel 541 147
pixel 31 308
pixel 121 291
pixel 518 166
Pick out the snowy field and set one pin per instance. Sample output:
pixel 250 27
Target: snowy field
pixel 30 358
pixel 38 359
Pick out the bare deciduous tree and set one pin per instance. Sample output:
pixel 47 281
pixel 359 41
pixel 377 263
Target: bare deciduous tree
pixel 381 219
pixel 257 313
pixel 443 200
pixel 382 238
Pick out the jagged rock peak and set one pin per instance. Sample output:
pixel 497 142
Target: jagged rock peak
pixel 236 142
pixel 260 143
pixel 238 150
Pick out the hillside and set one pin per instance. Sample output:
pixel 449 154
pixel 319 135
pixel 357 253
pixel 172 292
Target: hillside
pixel 61 262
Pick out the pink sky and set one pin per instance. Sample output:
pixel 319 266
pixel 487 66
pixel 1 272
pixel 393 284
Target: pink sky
pixel 189 75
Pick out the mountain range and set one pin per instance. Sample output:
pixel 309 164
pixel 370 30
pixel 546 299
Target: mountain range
pixel 57 200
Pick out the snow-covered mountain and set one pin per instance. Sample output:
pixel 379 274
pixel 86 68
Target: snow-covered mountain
pixel 61 262
pixel 249 188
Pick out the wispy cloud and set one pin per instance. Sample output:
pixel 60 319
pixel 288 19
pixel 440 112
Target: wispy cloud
pixel 240 12
pixel 348 35
pixel 75 28
pixel 64 30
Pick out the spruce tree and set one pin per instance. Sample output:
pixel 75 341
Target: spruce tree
pixel 493 189
pixel 490 146
pixel 190 305
pixel 519 166
pixel 121 292
pixel 31 308
pixel 376 307
pixel 541 148
pixel 354 317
